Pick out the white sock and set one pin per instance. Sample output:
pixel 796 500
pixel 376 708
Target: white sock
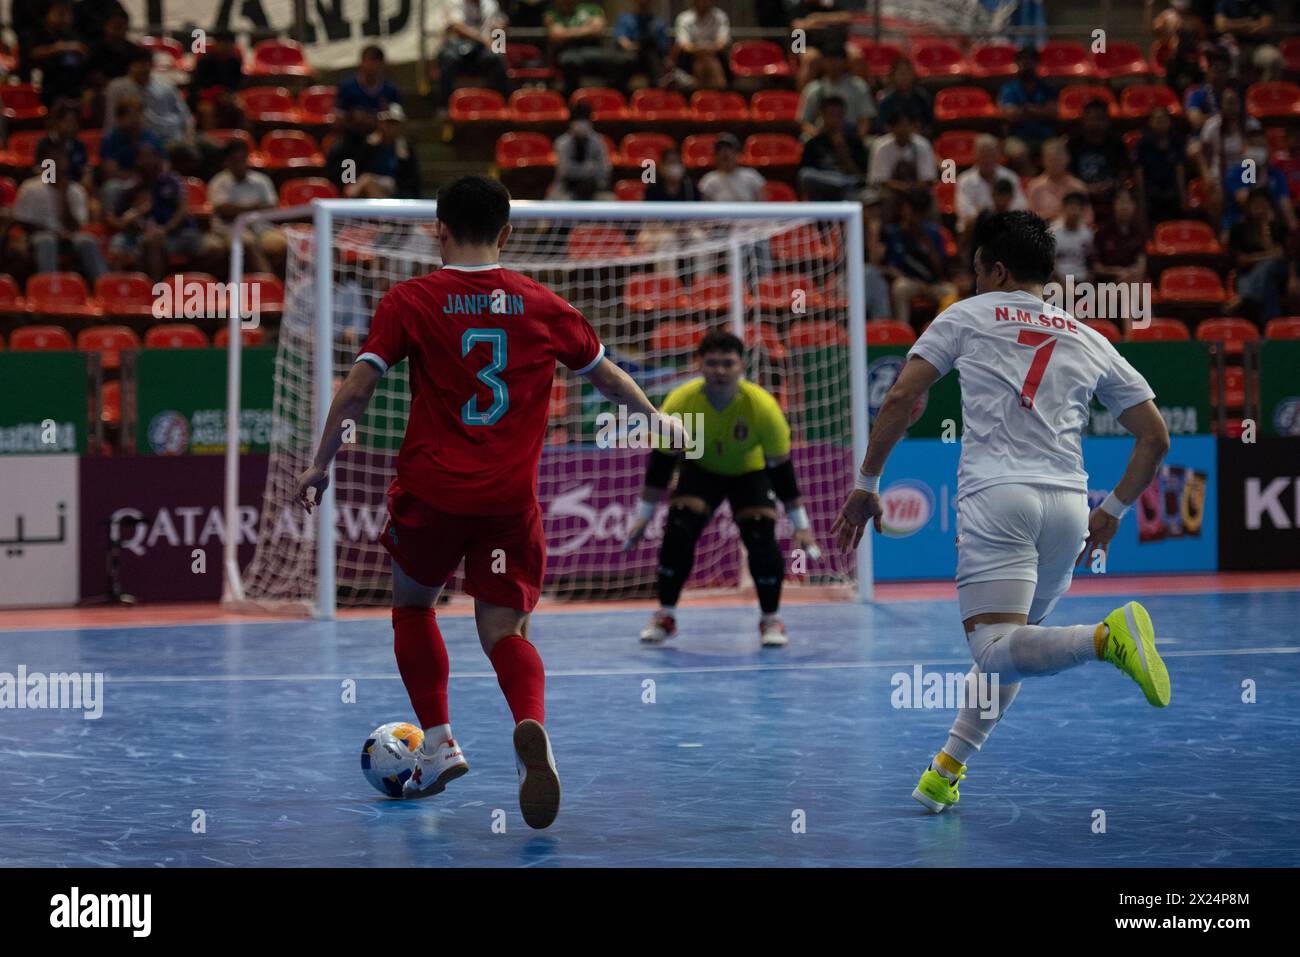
pixel 435 736
pixel 1023 651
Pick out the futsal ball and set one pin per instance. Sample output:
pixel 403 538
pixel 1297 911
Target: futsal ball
pixel 388 757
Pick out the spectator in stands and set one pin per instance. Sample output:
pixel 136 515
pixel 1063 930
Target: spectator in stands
pixel 391 158
pixel 1003 193
pixel 903 93
pixel 217 77
pixel 468 47
pixel 1046 193
pixel 671 184
pixel 1119 248
pixel 1028 104
pixel 362 96
pixel 582 164
pixel 1200 102
pixel 59 53
pixel 1179 31
pixel 825 23
pixel 165 112
pixel 89 17
pixel 835 161
pixel 51 213
pixel 239 189
pixel 1099 158
pixel 836 80
pixel 1073 239
pixel 63 126
pixel 1258 245
pixel 975 185
pixel 528 13
pixel 1161 178
pixel 878 305
pixel 120 147
pixel 643 35
pixel 914 258
pixel 152 218
pixel 903 160
pixel 1257 171
pixel 1221 145
pixel 110 56
pixel 1249 24
pixel 703 34
pixel 575 30
pixel 728 181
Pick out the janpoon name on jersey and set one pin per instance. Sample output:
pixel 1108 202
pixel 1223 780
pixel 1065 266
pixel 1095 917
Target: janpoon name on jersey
pixel 497 303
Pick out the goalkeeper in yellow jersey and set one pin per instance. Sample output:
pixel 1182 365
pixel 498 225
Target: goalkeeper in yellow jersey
pixel 744 457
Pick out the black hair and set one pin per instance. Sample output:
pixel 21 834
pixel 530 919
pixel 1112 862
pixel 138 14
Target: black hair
pixel 233 147
pixel 139 54
pixel 1019 240
pixel 919 200
pixel 719 341
pixel 372 52
pixel 1259 192
pixel 475 208
pixel 1004 187
pixel 1075 197
pixel 905 111
pixel 581 111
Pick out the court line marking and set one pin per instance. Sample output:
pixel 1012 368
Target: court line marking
pixel 656 669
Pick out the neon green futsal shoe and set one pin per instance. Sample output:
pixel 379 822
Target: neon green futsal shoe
pixel 936 792
pixel 1131 647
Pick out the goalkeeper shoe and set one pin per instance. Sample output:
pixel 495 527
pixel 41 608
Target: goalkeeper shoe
pixel 662 627
pixel 936 791
pixel 1131 647
pixel 434 768
pixel 771 632
pixel 539 782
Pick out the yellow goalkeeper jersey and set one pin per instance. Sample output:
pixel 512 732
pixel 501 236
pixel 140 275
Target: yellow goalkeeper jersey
pixel 740 437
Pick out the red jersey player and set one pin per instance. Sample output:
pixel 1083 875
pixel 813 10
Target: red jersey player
pixel 482 342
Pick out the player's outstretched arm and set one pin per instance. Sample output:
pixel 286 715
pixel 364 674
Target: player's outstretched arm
pixel 350 402
pixel 1148 427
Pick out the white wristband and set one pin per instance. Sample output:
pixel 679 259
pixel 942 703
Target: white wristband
pixel 1114 507
pixel 646 509
pixel 800 518
pixel 867 483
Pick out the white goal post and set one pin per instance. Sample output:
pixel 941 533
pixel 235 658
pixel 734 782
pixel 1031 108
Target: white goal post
pixel 643 273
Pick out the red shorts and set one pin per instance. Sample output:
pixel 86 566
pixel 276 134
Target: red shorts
pixel 505 555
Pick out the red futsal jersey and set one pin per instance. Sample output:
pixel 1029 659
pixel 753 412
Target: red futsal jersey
pixel 483 342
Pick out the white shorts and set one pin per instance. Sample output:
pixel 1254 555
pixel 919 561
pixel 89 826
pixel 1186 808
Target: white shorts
pixel 1016 548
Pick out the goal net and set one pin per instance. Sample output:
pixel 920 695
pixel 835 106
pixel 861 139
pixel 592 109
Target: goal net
pixel 651 287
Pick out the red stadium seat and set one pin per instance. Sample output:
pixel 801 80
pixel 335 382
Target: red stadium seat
pixel 316 105
pixel 1072 100
pixel 758 58
pixel 945 195
pixel 878 57
pixel 659 106
pixel 817 334
pixel 224 137
pixel 538 106
pixel 1105 327
pixel 1196 196
pixel 291 149
pixel 1160 330
pixel 652 292
pixel 775 191
pixel 697 151
pixel 280 58
pixel 677 336
pixel 637 147
pixel 175 335
pixel 1234 386
pixel 1159 57
pixel 526 63
pixel 269 104
pixel 615 157
pixel 713 106
pixel 956 145
pixel 59 294
pixel 1120 60
pixel 301 191
pixel 1275 100
pixel 771 149
pixel 889 332
pixel 249 337
pixel 91 140
pixel 196 194
pixel 1190 284
pixel 1232 331
pixel 804 244
pixel 1290 48
pixel 606 104
pixel 598 242
pixel 1184 237
pixel 40 339
pixel 964 103
pixel 1283 327
pixel 270 292
pixel 21 150
pixel 1137 101
pixel 629 190
pixel 168 54
pixel 524 150
pixel 780 292
pixel 1064 59
pixel 712 293
pixel 938 58
pixel 125 294
pixel 110 403
pixel 774 106
pixel 993 61
pixel 11 297
pixel 20 102
pixel 472 105
pixel 108 341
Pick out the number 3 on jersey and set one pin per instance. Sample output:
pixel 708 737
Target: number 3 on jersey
pixel 470 413
pixel 1043 344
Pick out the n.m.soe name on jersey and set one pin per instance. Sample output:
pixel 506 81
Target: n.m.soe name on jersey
pixel 1004 314
pixel 497 303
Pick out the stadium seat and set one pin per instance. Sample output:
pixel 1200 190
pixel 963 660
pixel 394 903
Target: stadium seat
pixel 993 61
pixel 615 157
pixel 248 337
pixel 538 106
pixel 108 341
pixel 712 106
pixel 774 106
pixel 817 334
pixel 637 147
pixel 1196 193
pixel 629 190
pixel 1158 57
pixel 1074 98
pixel 758 58
pixel 653 292
pixel 935 59
pixel 878 57
pixel 270 292
pixel 175 335
pixel 526 63
pixel 1160 330
pixel 677 336
pixel 269 104
pixel 524 150
pixel 20 103
pixel 1184 237
pixel 889 332
pixel 1065 59
pixel 956 145
pixel 224 137
pixel 958 103
pixel 1275 100
pixel 291 149
pixel 945 194
pixel 196 193
pixel 606 104
pixel 659 106
pixel 1120 60
pixel 775 191
pixel 280 58
pixel 1190 284
pixel 771 149
pixel 765 336
pixel 11 297
pixel 168 54
pixel 121 294
pixel 110 402
pixel 40 339
pixel 1234 386
pixel 712 293
pixel 1232 331
pixel 20 152
pixel 59 294
pixel 1283 327
pixel 473 105
pixel 804 244
pixel 1105 327
pixel 598 242
pixel 91 140
pixel 697 151
pixel 780 292
pixel 1290 49
pixel 316 105
pixel 303 189
pixel 1137 101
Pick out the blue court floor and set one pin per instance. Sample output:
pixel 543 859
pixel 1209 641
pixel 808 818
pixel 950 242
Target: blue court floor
pixel 247 724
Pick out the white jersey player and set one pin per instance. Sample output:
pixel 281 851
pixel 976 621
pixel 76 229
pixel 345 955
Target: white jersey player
pixel 1028 373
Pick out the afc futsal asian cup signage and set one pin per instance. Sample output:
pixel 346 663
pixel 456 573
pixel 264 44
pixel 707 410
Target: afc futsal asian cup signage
pixel 181 401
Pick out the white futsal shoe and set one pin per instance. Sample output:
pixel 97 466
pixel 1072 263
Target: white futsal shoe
pixel 662 627
pixel 539 782
pixel 435 766
pixel 771 632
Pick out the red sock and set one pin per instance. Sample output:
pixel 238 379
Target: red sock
pixel 422 661
pixel 521 676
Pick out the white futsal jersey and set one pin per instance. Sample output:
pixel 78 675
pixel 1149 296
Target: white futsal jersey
pixel 1028 373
